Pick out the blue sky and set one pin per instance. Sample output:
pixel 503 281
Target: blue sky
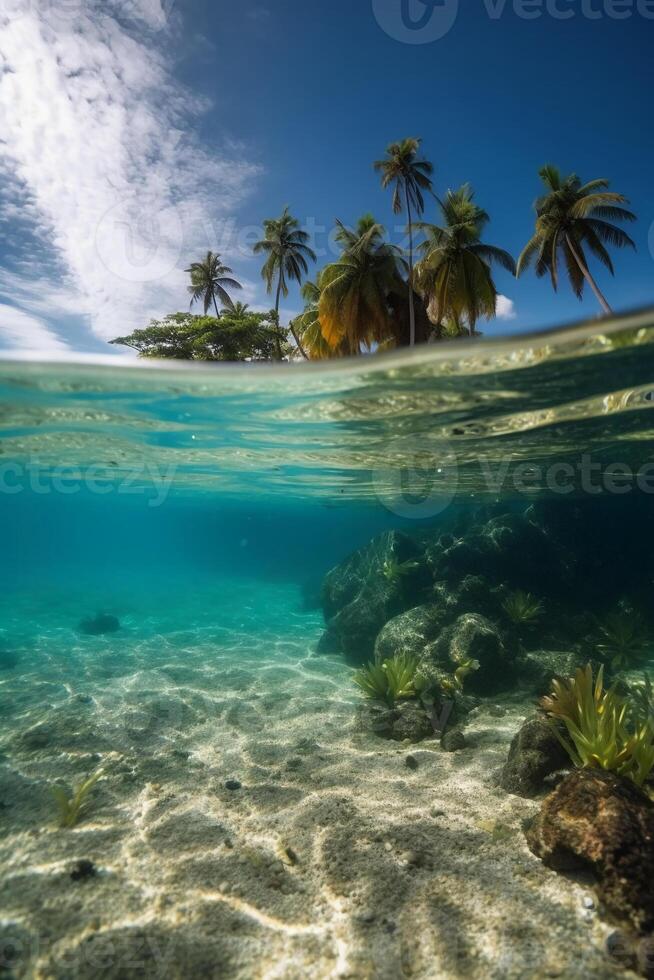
pixel 134 134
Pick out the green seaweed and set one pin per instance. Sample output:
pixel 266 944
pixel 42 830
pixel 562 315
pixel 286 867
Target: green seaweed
pixel 393 570
pixel 624 639
pixel 464 670
pixel 522 607
pixel 393 680
pixel 596 723
pixel 373 681
pixel 72 808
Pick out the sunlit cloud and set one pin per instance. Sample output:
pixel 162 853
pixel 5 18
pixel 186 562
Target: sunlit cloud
pixel 100 146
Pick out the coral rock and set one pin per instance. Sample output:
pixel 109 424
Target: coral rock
pixel 597 821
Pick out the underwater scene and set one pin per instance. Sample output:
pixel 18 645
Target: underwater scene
pixel 338 671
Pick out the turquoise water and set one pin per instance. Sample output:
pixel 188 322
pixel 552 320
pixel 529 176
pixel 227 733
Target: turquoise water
pixel 201 509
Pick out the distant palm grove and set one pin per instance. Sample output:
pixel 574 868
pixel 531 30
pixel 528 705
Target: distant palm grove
pixel 378 296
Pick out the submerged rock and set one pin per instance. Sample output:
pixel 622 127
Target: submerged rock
pixel 83 870
pixel 474 637
pixel 405 721
pixel 8 659
pixel 411 632
pixel 453 740
pixel 412 723
pixel 539 668
pixel 534 755
pixel 99 625
pixel 374 584
pixel 597 821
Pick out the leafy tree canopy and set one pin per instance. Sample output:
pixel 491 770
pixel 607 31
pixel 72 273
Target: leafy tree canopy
pixel 235 335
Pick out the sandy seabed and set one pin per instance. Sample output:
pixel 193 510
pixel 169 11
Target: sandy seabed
pixel 333 859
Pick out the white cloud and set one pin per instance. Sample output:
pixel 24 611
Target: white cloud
pixel 21 330
pixel 100 139
pixel 505 308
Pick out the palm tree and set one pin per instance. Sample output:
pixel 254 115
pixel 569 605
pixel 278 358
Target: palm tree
pixel 210 280
pixel 571 218
pixel 409 176
pixel 308 326
pixel 454 274
pixel 287 251
pixel 354 310
pixel 238 311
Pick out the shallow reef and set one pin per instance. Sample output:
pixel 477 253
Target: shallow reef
pixel 530 603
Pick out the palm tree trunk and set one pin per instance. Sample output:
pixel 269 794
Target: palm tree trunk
pixel 295 336
pixel 216 305
pixel 297 343
pixel 412 312
pixel 585 271
pixel 277 302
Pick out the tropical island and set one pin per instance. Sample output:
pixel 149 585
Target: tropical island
pixel 378 296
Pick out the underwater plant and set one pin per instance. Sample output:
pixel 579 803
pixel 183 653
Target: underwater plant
pixel 642 701
pixel 624 639
pixel 595 720
pixel 393 570
pixel 464 669
pixel 391 681
pixel 454 684
pixel 522 607
pixel 373 681
pixel 72 807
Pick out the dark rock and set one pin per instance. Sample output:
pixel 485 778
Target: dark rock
pixel 374 584
pixel 411 762
pixel 509 550
pixel 99 625
pixel 539 668
pixel 232 784
pixel 376 718
pixel 405 721
pixel 534 755
pixel 412 723
pixel 453 740
pixel 83 870
pixel 600 822
pixel 473 637
pixel 8 659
